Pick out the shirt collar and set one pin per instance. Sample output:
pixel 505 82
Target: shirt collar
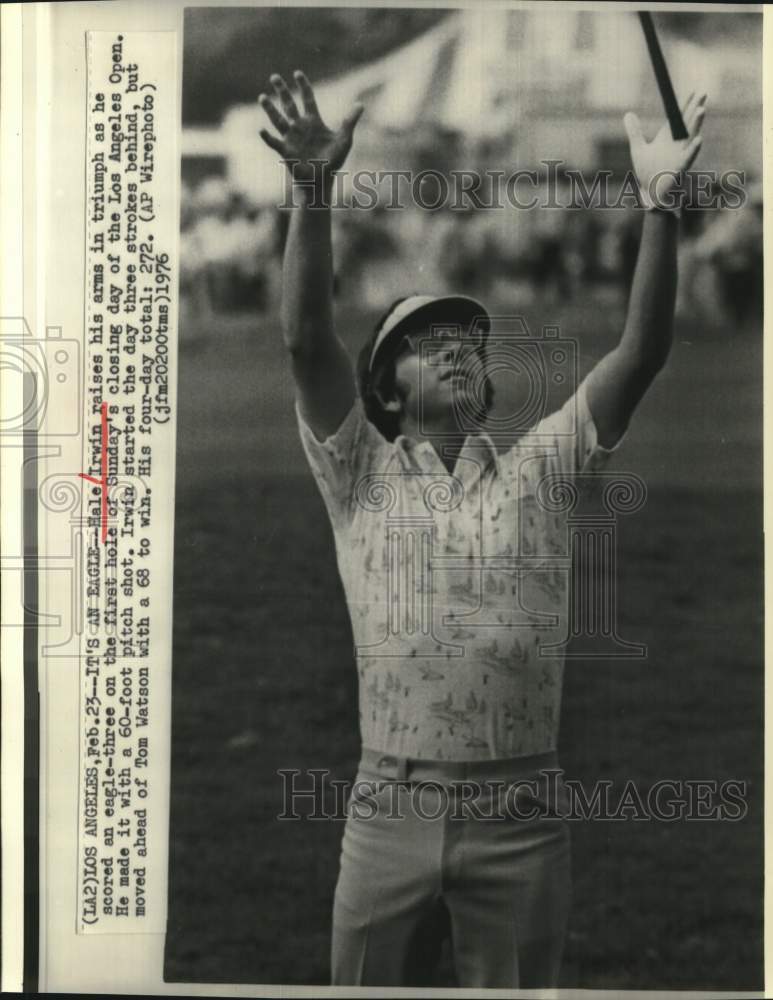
pixel 421 454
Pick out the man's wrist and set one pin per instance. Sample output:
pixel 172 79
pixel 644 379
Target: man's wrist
pixel 667 210
pixel 307 194
pixel 313 191
pixel 311 197
pixel 654 201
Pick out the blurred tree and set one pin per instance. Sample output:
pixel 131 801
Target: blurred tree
pixel 229 52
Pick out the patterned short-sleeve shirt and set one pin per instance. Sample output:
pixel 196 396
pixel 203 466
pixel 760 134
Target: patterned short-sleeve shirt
pixel 457 584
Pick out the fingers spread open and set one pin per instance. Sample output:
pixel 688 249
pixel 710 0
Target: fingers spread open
pixel 276 117
pixel 284 95
pixel 272 141
pixel 633 127
pixel 352 118
pixel 691 152
pixel 694 119
pixel 307 94
pixel 687 106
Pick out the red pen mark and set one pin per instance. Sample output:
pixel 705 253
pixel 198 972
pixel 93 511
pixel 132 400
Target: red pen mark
pixel 102 481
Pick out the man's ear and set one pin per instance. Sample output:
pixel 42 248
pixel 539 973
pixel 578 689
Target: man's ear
pixel 392 405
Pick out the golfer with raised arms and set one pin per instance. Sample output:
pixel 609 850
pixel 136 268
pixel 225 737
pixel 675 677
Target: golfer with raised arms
pixel 454 689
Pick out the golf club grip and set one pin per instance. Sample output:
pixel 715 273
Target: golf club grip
pixel 674 115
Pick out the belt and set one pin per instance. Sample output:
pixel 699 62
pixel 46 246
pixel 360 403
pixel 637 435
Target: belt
pixel 394 767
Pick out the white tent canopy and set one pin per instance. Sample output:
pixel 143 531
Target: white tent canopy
pixel 480 72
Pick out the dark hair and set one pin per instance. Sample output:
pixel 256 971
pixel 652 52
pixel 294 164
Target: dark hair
pixel 383 378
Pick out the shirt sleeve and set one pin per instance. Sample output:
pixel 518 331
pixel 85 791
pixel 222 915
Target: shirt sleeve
pixel 566 442
pixel 340 461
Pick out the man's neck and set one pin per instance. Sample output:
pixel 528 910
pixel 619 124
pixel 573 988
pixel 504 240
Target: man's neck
pixel 447 440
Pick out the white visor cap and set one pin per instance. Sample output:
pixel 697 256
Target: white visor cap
pixel 441 310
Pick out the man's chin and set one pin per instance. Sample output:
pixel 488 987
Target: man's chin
pixel 467 405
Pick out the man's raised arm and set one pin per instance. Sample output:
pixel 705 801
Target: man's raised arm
pixel 321 365
pixel 620 379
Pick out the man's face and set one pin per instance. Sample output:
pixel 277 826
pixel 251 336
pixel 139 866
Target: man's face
pixel 438 376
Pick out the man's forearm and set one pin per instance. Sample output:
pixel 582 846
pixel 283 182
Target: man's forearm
pixel 617 383
pixel 620 379
pixel 307 280
pixel 648 331
pixel 320 364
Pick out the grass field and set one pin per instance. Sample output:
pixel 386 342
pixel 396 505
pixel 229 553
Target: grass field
pixel 264 676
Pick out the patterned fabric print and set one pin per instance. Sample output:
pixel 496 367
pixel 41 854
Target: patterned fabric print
pixel 454 583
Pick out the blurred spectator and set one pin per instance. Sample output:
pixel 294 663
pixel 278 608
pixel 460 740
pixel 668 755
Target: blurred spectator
pixel 462 258
pixel 697 295
pixel 194 293
pixel 549 262
pixel 366 253
pixel 267 245
pixel 212 233
pixel 732 246
pixel 584 246
pixel 417 240
pixel 231 253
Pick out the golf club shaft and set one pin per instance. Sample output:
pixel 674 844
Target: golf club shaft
pixel 674 115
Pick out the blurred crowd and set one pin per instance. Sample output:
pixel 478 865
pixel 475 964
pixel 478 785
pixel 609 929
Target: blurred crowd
pixel 231 254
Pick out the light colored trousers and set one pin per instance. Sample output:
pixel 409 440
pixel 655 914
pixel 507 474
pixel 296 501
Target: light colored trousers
pixel 416 865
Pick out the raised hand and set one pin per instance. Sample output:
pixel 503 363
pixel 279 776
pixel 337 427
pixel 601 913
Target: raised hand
pixel 312 151
pixel 658 163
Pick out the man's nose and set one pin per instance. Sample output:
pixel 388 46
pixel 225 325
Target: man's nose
pixel 466 356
